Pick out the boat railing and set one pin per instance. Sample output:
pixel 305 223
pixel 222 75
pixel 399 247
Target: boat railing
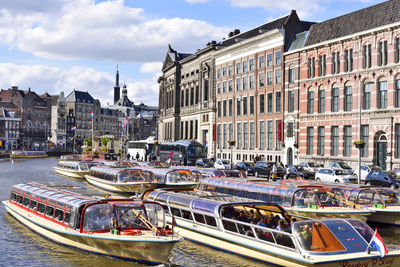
pixel 281 239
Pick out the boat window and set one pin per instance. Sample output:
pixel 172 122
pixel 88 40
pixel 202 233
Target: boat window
pixel 100 217
pixel 240 193
pixel 251 195
pixel 326 199
pixel 211 188
pixel 19 199
pixel 265 235
pixel 363 229
pixel 67 219
pixel 264 197
pixel 155 214
pixel 210 220
pixel 187 215
pixel 26 202
pixel 287 200
pixel 59 215
pixel 41 208
pixel 176 212
pixel 365 197
pixel 315 236
pixel 230 191
pixel 389 197
pixel 277 199
pixel 283 240
pixel 199 217
pixel 32 205
pixel 202 187
pixel 220 189
pixel 299 197
pixel 229 226
pixel 310 199
pixel 128 217
pixel 124 177
pixel 49 211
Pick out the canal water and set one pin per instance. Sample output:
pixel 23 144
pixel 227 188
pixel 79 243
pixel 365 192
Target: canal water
pixel 21 247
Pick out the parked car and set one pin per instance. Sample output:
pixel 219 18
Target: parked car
pixel 226 173
pixel 332 175
pixel 381 178
pixel 342 166
pixel 222 164
pixel 246 167
pixel 205 163
pixel 313 166
pixel 298 170
pixel 365 170
pixel 396 171
pixel 263 168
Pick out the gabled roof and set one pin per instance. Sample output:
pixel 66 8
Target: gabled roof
pixel 7 105
pixel 368 18
pixel 172 57
pixel 79 96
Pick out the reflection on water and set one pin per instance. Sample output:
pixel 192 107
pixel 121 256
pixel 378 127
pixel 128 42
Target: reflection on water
pixel 23 247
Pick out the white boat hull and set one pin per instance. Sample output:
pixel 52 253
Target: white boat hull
pixel 128 187
pixel 71 173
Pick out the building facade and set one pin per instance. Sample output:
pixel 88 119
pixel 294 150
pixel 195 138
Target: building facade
pixel 58 121
pixel 9 129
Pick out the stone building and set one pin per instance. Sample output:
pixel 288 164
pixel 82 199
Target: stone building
pixel 58 121
pixel 350 87
pixel 9 128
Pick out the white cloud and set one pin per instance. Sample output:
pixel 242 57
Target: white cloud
pixel 144 91
pixel 151 67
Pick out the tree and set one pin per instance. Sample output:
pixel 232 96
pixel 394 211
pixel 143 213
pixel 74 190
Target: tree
pixel 88 141
pixel 105 140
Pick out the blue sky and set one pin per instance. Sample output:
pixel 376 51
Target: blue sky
pixel 60 45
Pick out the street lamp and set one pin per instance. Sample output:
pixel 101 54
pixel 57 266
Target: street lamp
pixel 231 145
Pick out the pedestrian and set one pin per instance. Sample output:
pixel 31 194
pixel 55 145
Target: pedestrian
pixel 269 171
pixel 128 156
pixel 285 172
pixel 137 156
pixel 274 171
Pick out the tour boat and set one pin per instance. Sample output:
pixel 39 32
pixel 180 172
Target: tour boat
pixel 123 228
pixel 244 228
pixel 118 164
pixel 121 180
pixel 23 154
pixel 207 172
pixel 308 201
pixel 176 178
pixel 74 169
pixel 71 157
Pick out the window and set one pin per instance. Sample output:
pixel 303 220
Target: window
pixel 322 65
pixel 244 64
pixel 278 102
pixel 310 102
pixel 223 87
pixel 230 85
pixel 245 132
pixel 269 135
pixel 218 74
pixel 261 80
pixel 224 107
pixel 383 52
pixel 262 135
pixel 321 101
pixel 335 99
pixel 310 140
pixel 291 101
pixel 238 84
pixel 290 129
pixel 244 105
pixel 335 140
pixel 365 138
pixel 238 107
pixel 230 107
pixel 219 109
pixel 397 132
pixel 261 62
pixel 230 131
pixel 225 136
pixel 348 98
pixel 238 67
pixel 252 135
pixel 397 56
pixel 292 73
pixel 251 105
pixel 367 56
pixel 218 90
pixel 349 60
pixel 230 70
pixel 269 103
pixel 269 78
pixel 397 84
pixel 367 95
pixel 311 67
pixel 262 103
pixel 219 135
pixel 278 76
pixel 239 135
pixel 335 63
pixel 251 64
pixel 383 96
pixel 223 71
pixel 278 57
pixel 269 60
pixel 321 141
pixel 244 79
pixel 278 131
pixel 251 81
pixel 347 141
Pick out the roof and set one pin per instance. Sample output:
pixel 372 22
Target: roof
pixel 297 41
pixel 79 96
pixel 368 18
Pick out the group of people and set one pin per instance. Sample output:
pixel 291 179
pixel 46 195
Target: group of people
pixel 151 157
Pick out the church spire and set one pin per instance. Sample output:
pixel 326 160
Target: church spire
pixel 117 78
pixel 116 88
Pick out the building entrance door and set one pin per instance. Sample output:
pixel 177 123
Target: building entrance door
pixel 289 156
pixel 381 150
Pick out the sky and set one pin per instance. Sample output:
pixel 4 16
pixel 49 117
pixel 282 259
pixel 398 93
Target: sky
pixel 61 45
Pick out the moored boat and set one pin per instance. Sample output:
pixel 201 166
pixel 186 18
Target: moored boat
pixel 244 228
pixel 122 228
pixel 71 157
pixel 176 178
pixel 74 169
pixel 121 180
pixel 22 154
pixel 308 201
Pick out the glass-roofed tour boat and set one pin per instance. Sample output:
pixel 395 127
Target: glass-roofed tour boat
pixel 74 169
pixel 265 232
pixel 24 154
pixel 122 228
pixel 176 178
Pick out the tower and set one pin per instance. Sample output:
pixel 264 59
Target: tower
pixel 116 88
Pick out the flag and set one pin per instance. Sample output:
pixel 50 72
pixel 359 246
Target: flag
pixel 125 123
pixel 91 112
pixel 173 222
pixel 73 128
pixel 377 243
